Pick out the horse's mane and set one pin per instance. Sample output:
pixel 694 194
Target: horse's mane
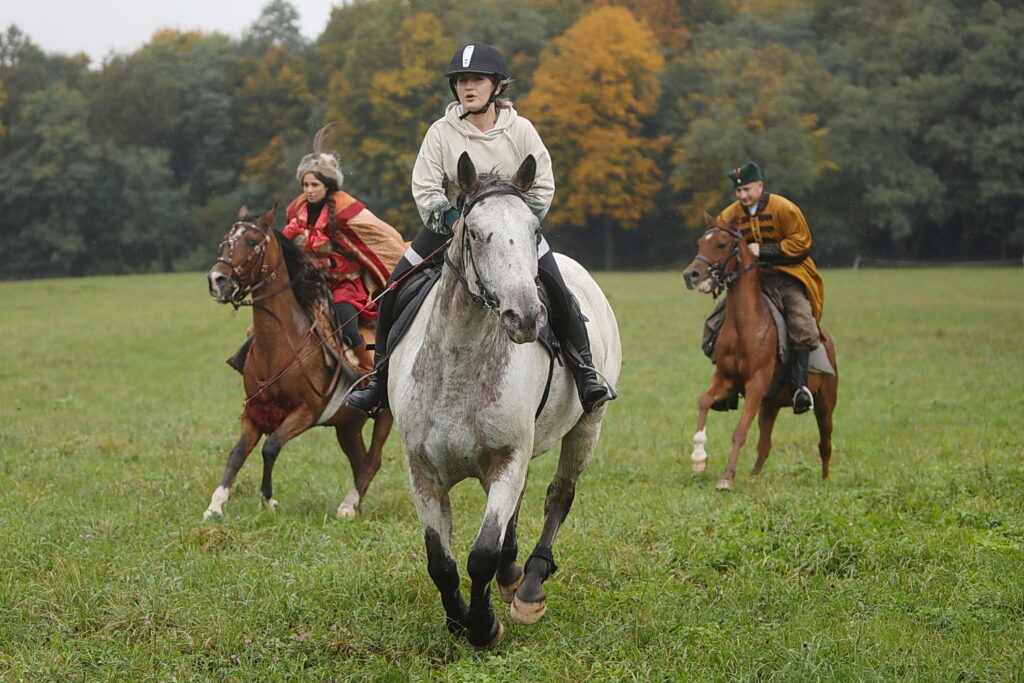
pixel 309 285
pixel 487 181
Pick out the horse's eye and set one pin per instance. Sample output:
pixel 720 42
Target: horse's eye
pixel 474 235
pixel 251 243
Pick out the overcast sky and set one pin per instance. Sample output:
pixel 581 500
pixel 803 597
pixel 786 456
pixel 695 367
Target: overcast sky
pixel 97 27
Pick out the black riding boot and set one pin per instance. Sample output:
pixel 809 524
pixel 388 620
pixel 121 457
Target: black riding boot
pixel 373 397
pixel 576 344
pixel 803 400
pixel 237 361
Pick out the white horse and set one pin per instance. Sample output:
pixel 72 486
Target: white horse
pixel 466 383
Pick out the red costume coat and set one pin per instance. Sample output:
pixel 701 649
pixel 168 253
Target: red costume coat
pixel 363 252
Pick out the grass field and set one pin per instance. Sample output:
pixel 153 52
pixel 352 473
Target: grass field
pixel 118 412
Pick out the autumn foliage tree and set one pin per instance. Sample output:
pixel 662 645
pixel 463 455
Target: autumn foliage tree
pixel 593 92
pixel 384 110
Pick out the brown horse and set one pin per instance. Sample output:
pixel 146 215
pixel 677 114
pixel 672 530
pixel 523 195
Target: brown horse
pixel 746 352
pixel 289 385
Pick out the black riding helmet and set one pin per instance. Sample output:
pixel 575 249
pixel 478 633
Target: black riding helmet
pixel 478 58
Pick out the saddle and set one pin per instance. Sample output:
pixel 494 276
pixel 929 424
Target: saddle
pixel 325 319
pixel 818 361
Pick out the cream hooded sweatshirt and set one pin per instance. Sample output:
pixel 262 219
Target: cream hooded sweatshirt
pixel 500 150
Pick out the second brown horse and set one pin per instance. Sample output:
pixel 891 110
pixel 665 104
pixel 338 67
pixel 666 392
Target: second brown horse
pixel 746 353
pixel 288 383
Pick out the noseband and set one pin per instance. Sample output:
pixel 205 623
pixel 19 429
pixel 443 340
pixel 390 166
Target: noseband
pixel 719 270
pixel 485 298
pixel 246 267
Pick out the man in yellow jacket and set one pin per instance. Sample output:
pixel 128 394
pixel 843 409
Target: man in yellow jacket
pixel 778 236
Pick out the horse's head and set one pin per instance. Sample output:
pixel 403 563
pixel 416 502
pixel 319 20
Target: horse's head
pixel 718 255
pixel 242 263
pixel 494 248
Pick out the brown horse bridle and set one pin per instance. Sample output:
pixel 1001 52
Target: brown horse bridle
pixel 249 266
pixel 719 270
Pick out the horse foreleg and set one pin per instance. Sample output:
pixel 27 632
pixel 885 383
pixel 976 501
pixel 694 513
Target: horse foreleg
pixel 298 421
pixel 699 456
pixel 751 405
pixel 530 603
pixel 717 391
pixel 246 442
pixel 504 489
pixel 435 514
pixel 765 425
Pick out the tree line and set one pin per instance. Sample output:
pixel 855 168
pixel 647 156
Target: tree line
pixel 896 125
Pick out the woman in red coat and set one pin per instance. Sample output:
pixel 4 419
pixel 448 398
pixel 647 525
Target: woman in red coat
pixel 355 250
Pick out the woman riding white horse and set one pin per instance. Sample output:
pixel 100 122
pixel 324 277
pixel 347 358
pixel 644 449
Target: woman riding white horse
pixel 498 140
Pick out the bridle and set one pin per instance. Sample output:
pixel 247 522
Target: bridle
pixel 249 266
pixel 483 297
pixel 719 270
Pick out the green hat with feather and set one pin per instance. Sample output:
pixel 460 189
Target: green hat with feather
pixel 747 173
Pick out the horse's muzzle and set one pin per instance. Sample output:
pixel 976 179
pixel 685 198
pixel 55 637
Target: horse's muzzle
pixel 523 328
pixel 691 277
pixel 220 285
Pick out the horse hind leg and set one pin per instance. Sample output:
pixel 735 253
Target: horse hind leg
pixel 510 575
pixel 765 424
pixel 246 442
pixel 365 464
pixel 824 405
pixel 530 602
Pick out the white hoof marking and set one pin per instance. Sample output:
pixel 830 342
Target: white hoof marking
pixel 217 500
pixel 349 507
pixel 699 457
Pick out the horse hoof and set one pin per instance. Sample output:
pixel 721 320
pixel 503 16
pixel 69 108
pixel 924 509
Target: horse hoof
pixel 495 640
pixel 268 505
pixel 508 593
pixel 698 465
pixel 211 515
pixel 527 613
pixel 346 512
pixel 724 485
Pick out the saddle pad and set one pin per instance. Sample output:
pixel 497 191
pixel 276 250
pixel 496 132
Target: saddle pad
pixel 818 362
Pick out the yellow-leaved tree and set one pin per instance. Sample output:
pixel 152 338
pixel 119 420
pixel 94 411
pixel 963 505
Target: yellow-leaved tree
pixel 593 91
pixel 385 114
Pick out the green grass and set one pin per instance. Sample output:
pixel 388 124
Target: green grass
pixel 118 412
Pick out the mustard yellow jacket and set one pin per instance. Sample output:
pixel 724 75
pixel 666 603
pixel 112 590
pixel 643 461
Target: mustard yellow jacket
pixel 780 222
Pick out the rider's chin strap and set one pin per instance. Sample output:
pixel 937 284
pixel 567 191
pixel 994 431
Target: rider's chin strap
pixel 481 110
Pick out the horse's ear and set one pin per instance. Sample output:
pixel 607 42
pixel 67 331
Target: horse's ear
pixel 526 174
pixel 269 216
pixel 243 212
pixel 468 181
pixel 708 219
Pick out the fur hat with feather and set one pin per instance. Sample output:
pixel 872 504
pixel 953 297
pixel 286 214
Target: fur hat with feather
pixel 319 161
